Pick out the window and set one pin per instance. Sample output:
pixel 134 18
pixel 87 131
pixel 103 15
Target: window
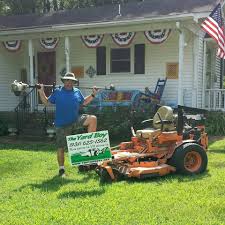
pixel 120 60
pixel 101 60
pixel 139 59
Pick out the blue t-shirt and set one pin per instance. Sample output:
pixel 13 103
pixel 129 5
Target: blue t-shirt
pixel 67 105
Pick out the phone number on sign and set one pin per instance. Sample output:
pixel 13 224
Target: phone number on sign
pixel 88 142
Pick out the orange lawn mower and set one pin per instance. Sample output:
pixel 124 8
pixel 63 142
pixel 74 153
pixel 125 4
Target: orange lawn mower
pixel 170 147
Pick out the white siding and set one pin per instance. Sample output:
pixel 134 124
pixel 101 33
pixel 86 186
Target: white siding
pixel 11 64
pixel 156 57
pixel 217 73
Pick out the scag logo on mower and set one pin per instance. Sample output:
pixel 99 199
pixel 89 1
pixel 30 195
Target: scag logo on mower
pixel 89 148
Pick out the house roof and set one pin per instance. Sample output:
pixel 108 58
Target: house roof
pixel 108 13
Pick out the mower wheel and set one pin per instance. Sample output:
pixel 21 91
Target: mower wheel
pixel 84 168
pixel 189 159
pixel 104 176
pixel 118 175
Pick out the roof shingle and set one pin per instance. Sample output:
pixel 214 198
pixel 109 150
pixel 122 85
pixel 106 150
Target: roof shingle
pixel 145 9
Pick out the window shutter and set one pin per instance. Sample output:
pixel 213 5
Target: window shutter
pixel 139 59
pixel 101 60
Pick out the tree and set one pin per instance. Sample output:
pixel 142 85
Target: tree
pixel 19 6
pixel 15 7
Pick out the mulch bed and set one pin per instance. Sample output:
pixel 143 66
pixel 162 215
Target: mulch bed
pixel 23 140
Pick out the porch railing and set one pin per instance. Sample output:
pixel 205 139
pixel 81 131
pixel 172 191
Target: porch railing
pixel 26 106
pixel 215 99
pixel 49 112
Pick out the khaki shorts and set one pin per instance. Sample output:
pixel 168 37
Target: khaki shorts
pixel 62 132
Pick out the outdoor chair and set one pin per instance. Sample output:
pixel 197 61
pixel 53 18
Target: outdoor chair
pixel 154 97
pixel 128 98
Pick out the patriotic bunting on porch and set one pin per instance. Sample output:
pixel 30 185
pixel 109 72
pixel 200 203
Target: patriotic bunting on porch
pixel 49 43
pixel 157 36
pixel 92 41
pixel 123 39
pixel 12 45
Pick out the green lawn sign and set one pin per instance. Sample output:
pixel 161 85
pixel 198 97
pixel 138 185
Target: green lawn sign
pixel 89 148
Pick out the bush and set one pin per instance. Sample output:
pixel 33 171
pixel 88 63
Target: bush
pixel 118 120
pixel 3 128
pixel 215 123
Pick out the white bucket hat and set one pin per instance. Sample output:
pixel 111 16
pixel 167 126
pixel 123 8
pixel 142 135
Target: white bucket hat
pixel 69 76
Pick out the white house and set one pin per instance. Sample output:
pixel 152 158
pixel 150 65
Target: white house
pixel 152 39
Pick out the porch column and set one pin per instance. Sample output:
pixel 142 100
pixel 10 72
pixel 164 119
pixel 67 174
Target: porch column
pixel 181 65
pixel 31 66
pixel 31 61
pixel 204 75
pixel 67 53
pixel 195 75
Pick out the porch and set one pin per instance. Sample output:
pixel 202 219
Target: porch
pixel 141 66
pixel 214 99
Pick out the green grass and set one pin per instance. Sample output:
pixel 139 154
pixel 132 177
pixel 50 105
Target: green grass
pixel 31 193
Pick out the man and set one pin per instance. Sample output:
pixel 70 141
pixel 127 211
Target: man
pixel 68 101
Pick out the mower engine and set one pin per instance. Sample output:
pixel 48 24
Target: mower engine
pixel 194 129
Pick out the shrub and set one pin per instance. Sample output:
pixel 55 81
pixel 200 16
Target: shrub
pixel 3 128
pixel 215 123
pixel 118 120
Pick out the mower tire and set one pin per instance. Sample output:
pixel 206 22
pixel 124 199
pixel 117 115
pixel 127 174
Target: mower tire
pixel 104 176
pixel 85 168
pixel 189 159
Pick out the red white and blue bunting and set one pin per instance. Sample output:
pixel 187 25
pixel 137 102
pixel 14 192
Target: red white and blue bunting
pixel 49 43
pixel 12 46
pixel 92 41
pixel 124 38
pixel 157 36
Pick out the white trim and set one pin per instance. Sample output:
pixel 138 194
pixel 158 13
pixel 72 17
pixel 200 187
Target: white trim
pixel 181 68
pixel 63 27
pixel 31 66
pixel 31 63
pixel 204 75
pixel 195 72
pixel 67 53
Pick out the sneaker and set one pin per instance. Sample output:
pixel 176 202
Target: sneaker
pixel 62 173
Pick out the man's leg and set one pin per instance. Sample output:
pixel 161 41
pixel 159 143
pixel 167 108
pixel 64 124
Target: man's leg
pixel 60 156
pixel 91 123
pixel 61 134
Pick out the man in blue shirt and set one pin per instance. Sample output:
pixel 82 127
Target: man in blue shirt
pixel 68 101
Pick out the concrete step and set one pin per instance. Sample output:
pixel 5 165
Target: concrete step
pixel 23 139
pixel 33 131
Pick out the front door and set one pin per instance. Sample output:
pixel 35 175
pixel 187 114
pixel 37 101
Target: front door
pixel 46 69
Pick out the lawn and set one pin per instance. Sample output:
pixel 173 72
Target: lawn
pixel 31 193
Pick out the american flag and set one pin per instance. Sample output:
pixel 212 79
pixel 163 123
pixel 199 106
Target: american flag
pixel 213 25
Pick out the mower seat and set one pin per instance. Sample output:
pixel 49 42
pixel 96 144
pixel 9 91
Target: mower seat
pixel 148 133
pixel 165 113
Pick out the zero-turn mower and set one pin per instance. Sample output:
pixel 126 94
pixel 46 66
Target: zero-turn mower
pixel 170 146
